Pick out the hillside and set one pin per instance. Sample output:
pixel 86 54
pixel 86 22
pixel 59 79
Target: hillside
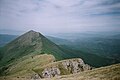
pixel 42 66
pixel 5 38
pixel 25 64
pixel 105 45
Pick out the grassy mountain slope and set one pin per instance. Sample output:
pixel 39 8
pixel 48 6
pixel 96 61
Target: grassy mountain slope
pixel 51 48
pixel 25 64
pixel 30 43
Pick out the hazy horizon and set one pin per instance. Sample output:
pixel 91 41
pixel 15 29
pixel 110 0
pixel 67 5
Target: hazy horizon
pixel 60 16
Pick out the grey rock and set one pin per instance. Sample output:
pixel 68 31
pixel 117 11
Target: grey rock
pixel 35 77
pixel 50 72
pixel 75 65
pixel 87 67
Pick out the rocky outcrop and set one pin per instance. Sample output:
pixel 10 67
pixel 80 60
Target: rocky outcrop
pixel 75 65
pixel 50 72
pixel 69 66
pixel 36 77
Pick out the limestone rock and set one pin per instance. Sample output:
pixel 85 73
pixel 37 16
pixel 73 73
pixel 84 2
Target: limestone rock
pixel 75 65
pixel 87 67
pixel 50 72
pixel 36 77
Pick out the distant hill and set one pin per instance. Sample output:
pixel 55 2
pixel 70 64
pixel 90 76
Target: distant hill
pixel 58 41
pixel 102 44
pixel 11 31
pixel 6 38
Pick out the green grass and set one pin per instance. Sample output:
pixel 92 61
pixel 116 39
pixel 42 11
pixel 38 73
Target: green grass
pixel 28 63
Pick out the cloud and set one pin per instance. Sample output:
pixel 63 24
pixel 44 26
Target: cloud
pixel 110 2
pixel 60 15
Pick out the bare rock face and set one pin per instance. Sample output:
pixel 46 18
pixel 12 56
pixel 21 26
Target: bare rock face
pixel 87 67
pixel 50 72
pixel 75 65
pixel 36 77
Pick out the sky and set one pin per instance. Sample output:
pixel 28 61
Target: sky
pixel 60 16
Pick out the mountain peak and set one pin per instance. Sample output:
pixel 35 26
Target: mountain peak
pixel 32 31
pixel 31 34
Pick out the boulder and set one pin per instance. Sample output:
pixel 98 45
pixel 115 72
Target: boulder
pixel 75 65
pixel 50 72
pixel 35 77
